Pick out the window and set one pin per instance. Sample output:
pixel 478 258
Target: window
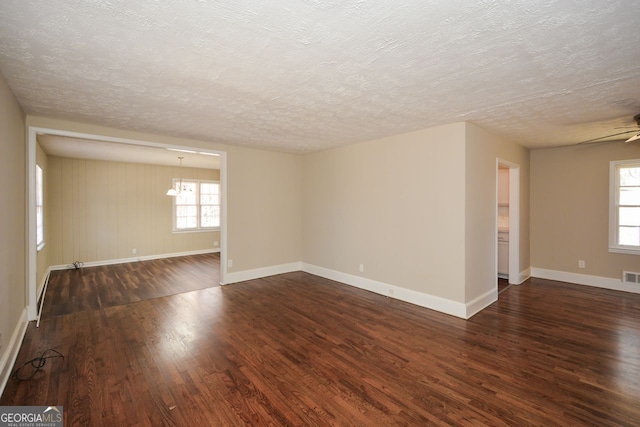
pixel 39 208
pixel 624 209
pixel 197 207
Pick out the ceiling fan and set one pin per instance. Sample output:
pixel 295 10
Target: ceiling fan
pixel 635 137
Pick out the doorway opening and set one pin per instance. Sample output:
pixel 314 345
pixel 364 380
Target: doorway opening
pixel 32 291
pixel 507 224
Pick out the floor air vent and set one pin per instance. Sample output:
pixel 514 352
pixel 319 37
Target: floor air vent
pixel 631 277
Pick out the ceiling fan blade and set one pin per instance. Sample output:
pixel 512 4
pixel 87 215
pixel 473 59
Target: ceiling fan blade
pixel 607 136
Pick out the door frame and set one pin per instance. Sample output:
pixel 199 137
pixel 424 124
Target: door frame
pixel 32 133
pixel 514 219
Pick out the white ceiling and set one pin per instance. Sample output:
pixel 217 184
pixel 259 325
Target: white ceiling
pixel 80 148
pixel 306 75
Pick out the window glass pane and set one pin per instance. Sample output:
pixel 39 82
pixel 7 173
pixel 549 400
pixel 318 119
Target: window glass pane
pixel 629 236
pixel 624 226
pixel 39 225
pixel 209 200
pixel 190 199
pixel 209 188
pixel 209 194
pixel 210 216
pixel 630 196
pixel 39 186
pixel 39 206
pixel 186 216
pixel 205 216
pixel 629 216
pixel 186 199
pixel 629 176
pixel 189 187
pixel 216 216
pixel 187 210
pixel 186 222
pixel 197 205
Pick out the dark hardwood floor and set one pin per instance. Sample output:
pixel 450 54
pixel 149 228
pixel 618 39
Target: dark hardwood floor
pixel 296 349
pixel 503 284
pixel 91 288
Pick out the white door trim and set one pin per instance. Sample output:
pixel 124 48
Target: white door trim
pixel 514 219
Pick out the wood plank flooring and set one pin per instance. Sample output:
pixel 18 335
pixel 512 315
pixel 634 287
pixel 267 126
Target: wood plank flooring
pixel 91 288
pixel 503 284
pixel 296 349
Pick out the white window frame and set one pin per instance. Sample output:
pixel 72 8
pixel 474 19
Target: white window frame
pixel 614 193
pixel 198 228
pixel 39 208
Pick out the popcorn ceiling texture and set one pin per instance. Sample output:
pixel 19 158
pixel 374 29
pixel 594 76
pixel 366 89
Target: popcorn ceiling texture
pixel 306 75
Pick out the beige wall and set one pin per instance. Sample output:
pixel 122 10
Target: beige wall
pixel 482 150
pixel 102 210
pixel 264 200
pixel 42 257
pixel 12 217
pixel 419 210
pixel 259 234
pixel 395 205
pixel 570 209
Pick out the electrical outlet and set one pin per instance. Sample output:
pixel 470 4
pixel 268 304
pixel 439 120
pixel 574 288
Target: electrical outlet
pixel 230 263
pixel 216 243
pixel 361 268
pixel 134 251
pixel 581 264
pixel 391 292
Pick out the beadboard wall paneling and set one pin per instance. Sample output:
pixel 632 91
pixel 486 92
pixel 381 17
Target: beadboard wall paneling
pixel 103 210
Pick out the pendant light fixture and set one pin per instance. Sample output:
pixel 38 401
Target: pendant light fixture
pixel 175 191
pixel 633 138
pixel 636 136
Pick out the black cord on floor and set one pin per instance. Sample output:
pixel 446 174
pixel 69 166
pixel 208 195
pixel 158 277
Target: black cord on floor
pixel 37 363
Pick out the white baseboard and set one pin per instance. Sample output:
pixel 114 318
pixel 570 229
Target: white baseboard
pixel 135 259
pixel 432 302
pixel 524 276
pixel 585 279
pixel 43 282
pixel 483 301
pixel 258 273
pixel 10 354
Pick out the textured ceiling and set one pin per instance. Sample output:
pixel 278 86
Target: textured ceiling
pixel 306 75
pixel 79 148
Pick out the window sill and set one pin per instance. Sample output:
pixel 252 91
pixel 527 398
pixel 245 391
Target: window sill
pixel 628 251
pixel 201 230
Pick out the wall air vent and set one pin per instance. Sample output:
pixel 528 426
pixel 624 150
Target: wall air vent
pixel 631 277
